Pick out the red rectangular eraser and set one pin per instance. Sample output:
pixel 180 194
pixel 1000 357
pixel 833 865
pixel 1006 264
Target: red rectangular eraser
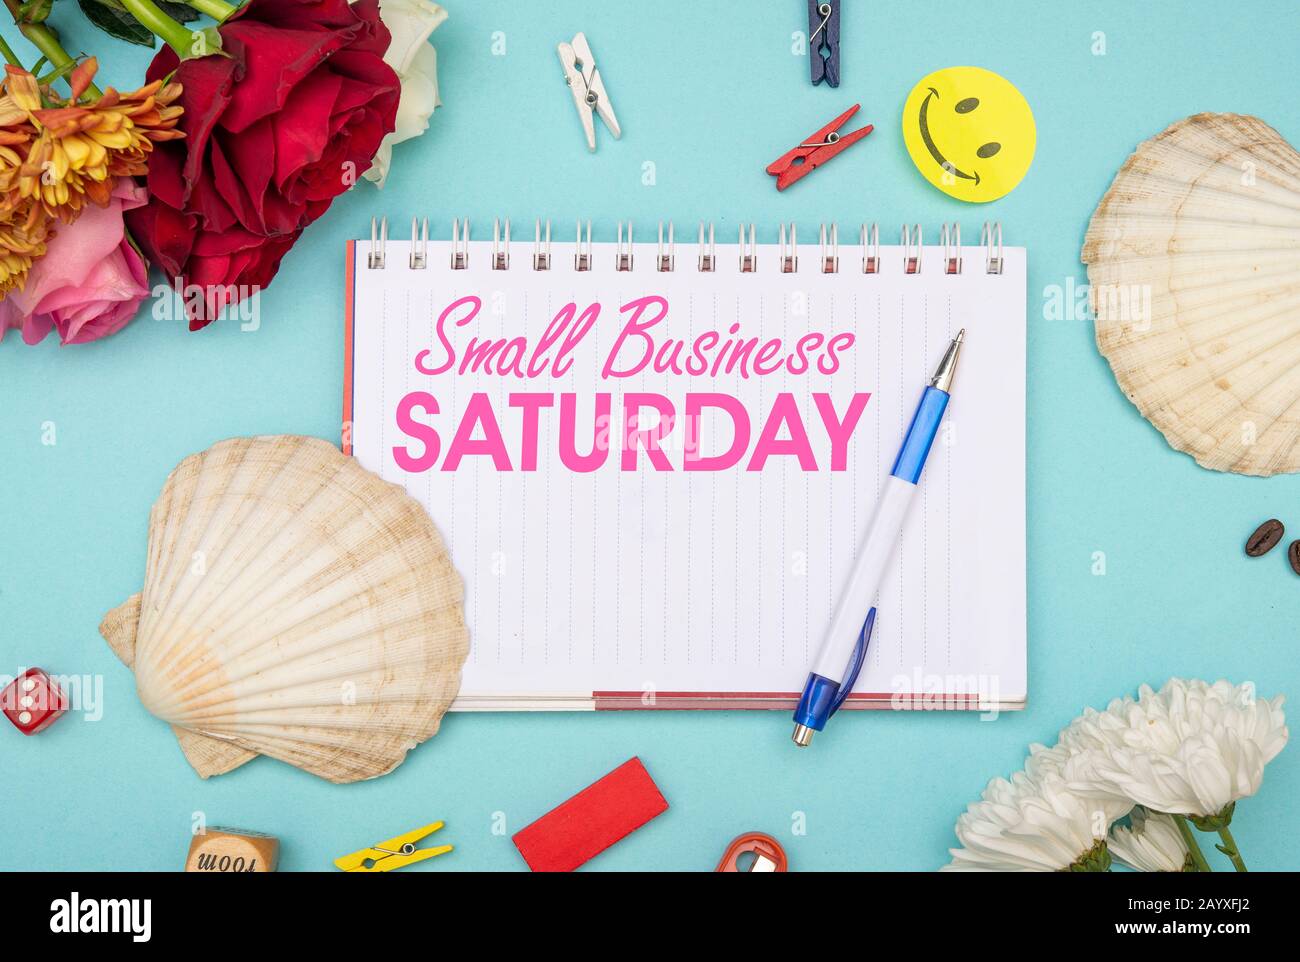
pixel 591 821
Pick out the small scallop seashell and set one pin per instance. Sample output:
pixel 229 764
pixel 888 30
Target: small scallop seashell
pixel 295 605
pixel 1193 260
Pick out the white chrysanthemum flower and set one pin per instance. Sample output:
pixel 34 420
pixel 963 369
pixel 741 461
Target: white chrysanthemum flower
pixel 1151 843
pixel 410 22
pixel 1033 823
pixel 1043 761
pixel 1191 748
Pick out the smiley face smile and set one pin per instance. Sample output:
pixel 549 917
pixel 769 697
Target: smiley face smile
pixel 924 124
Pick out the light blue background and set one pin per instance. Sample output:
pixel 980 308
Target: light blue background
pixel 710 93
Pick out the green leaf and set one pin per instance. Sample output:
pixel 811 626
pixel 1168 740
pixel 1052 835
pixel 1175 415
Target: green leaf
pixel 205 43
pixel 116 22
pixel 180 12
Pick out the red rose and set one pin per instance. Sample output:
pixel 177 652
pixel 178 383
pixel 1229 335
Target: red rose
pixel 278 125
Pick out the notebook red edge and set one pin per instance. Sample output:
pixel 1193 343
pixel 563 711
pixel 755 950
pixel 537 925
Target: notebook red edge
pixel 349 282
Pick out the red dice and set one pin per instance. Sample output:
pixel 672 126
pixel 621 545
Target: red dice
pixel 32 701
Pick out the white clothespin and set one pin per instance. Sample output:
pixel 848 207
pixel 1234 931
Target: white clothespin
pixel 588 89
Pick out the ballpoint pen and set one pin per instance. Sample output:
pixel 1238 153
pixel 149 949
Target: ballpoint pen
pixel 845 646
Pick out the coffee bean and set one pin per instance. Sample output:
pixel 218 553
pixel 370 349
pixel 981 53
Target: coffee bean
pixel 1265 538
pixel 1293 556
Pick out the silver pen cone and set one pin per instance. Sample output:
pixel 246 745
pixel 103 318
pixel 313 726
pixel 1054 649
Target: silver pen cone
pixel 947 368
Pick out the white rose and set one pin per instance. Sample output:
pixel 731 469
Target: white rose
pixel 410 22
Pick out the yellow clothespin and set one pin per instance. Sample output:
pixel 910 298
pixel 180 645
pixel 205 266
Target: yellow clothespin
pixel 397 852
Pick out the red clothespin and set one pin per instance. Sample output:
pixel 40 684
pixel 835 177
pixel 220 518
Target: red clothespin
pixel 816 150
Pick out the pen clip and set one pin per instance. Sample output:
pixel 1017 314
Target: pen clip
pixel 855 663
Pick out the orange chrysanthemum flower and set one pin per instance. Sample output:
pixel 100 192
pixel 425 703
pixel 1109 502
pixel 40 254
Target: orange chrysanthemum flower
pixel 16 135
pixel 79 148
pixel 22 239
pixel 58 155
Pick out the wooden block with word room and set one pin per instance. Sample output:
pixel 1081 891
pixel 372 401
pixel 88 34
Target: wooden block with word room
pixel 232 850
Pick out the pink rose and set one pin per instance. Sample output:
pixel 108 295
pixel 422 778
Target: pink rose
pixel 90 281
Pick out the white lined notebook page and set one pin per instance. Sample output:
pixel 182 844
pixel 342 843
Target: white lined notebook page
pixel 662 581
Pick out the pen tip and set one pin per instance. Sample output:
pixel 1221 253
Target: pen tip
pixel 961 336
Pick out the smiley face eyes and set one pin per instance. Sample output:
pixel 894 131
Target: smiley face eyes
pixel 965 107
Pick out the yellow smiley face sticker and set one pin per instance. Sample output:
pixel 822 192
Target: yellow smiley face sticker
pixel 969 132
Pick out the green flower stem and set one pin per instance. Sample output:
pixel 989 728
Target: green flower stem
pixel 150 15
pixel 218 10
pixel 43 39
pixel 1194 850
pixel 53 75
pixel 1229 848
pixel 8 52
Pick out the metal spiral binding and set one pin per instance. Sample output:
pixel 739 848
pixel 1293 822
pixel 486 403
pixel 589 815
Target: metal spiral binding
pixel 542 258
pixel 623 258
pixel 708 262
pixel 789 261
pixel 666 262
pixel 831 262
pixel 459 245
pixel 581 259
pixel 990 240
pixel 378 243
pixel 707 256
pixel 912 249
pixel 871 249
pixel 950 238
pixel 748 261
pixel 500 254
pixel 419 258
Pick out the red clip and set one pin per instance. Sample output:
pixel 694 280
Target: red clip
pixel 816 150
pixel 767 851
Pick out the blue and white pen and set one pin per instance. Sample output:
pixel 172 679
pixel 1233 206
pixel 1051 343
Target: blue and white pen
pixel 845 646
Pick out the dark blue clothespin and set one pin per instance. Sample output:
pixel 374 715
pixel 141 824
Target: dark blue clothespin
pixel 824 41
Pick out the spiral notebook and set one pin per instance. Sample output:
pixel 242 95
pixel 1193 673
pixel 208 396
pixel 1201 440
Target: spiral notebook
pixel 653 463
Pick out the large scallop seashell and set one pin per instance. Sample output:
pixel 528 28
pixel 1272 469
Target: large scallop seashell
pixel 295 605
pixel 1194 264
